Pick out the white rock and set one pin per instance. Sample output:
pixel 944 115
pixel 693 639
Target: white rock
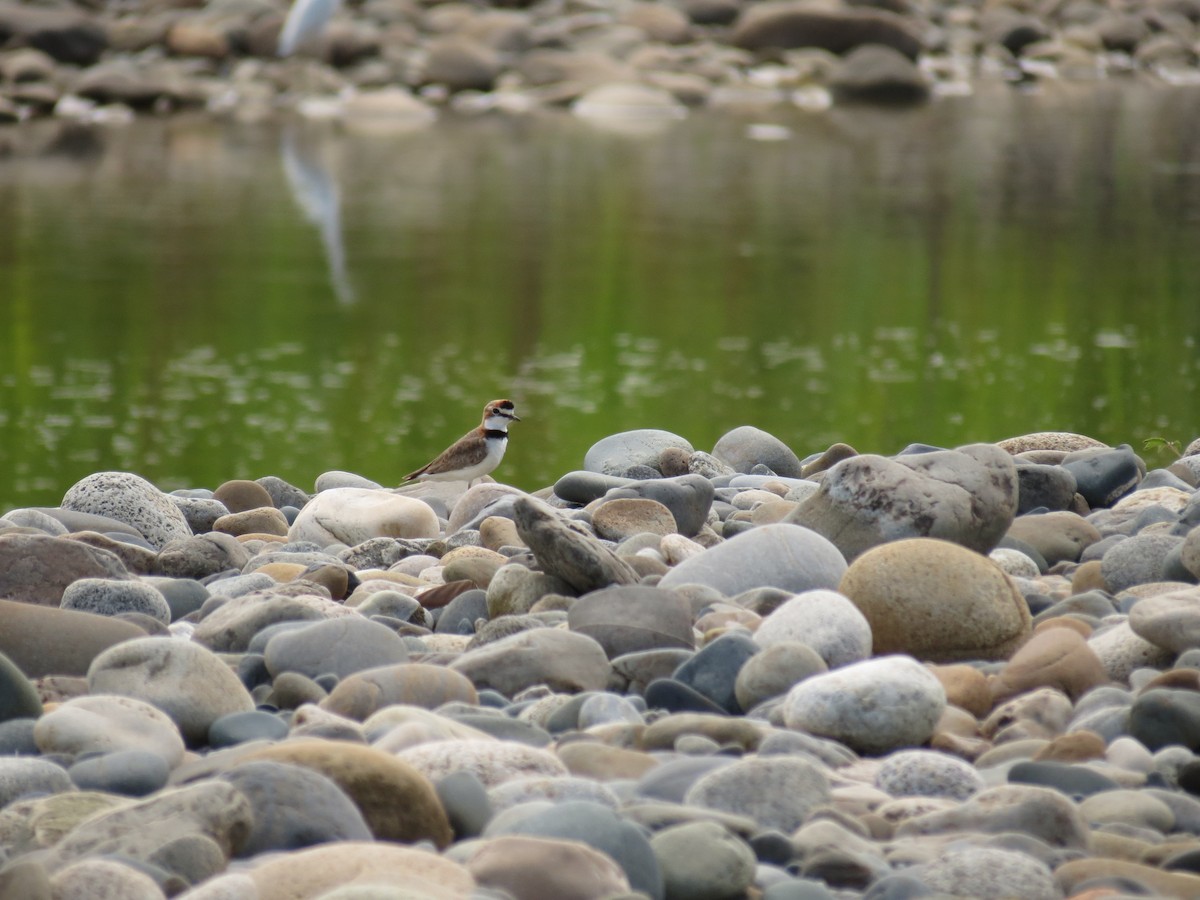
pixel 874 706
pixel 353 515
pixel 824 620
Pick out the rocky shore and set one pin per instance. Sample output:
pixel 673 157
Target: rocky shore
pixel 403 60
pixel 672 674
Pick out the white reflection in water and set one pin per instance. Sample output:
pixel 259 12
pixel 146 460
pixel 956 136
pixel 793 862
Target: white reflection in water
pixel 315 189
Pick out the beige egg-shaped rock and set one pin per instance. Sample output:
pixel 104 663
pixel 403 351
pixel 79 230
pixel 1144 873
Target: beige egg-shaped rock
pixel 937 601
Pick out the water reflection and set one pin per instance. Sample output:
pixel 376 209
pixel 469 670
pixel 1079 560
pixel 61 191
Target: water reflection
pixel 315 189
pixel 967 271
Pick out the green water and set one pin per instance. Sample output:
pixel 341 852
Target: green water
pixel 975 269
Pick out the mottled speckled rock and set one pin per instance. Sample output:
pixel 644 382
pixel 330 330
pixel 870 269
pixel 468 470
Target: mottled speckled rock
pixel 826 621
pixel 874 706
pixel 562 660
pixel 107 597
pixel 925 773
pixel 617 519
pixel 130 499
pixel 212 810
pixel 189 683
pixel 780 555
pixel 37 569
pixel 492 762
pixel 397 802
pixel 937 601
pixel 968 496
pixel 1140 559
pixel 22 777
pixel 989 873
pixel 774 791
pixel 1121 651
pixel 1063 441
pixel 353 515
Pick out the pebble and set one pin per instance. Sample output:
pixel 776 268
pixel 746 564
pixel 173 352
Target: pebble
pixel 823 620
pixel 937 601
pixel 779 555
pixel 632 619
pixel 617 453
pixel 597 826
pixel 657 724
pixel 968 496
pixel 523 866
pixel 92 724
pixel 189 683
pixel 37 569
pixel 745 447
pixel 112 598
pixel 351 515
pixel 874 706
pixel 130 499
pixel 42 641
pixel 703 860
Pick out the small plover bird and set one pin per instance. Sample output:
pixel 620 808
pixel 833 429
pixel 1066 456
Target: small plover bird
pixel 474 454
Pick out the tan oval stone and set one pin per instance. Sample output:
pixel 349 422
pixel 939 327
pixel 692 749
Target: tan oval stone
pixel 1078 746
pixel 362 694
pixel 590 759
pixel 937 601
pixel 1058 658
pixel 618 519
pixel 303 874
pixel 497 531
pixel 282 572
pixel 264 520
pixel 966 687
pixel 1057 536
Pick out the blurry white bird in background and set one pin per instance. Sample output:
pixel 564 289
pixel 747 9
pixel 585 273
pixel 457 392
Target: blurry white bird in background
pixel 305 22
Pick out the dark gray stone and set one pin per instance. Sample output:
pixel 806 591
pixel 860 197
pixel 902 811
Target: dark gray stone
pixel 459 615
pixel 239 728
pixel 1072 780
pixel 1051 487
pixel 714 669
pixel 1104 476
pixel 294 807
pixel 130 773
pixel 18 697
pixel 632 618
pixel 466 802
pixel 674 696
pixel 1163 717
